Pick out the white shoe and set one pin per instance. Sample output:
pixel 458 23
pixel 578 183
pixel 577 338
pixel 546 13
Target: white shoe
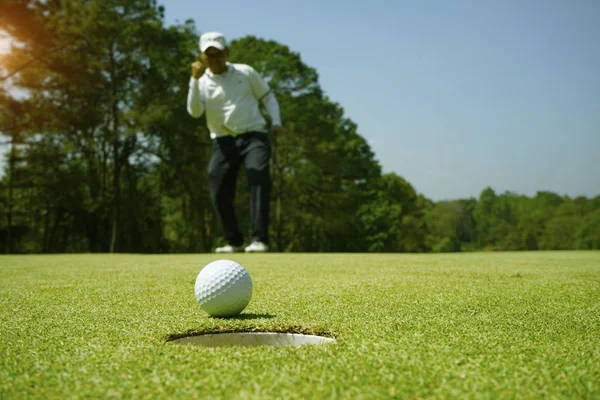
pixel 228 249
pixel 256 247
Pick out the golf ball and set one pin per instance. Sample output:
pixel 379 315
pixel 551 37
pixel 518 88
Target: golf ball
pixel 223 288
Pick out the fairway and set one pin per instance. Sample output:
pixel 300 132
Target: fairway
pixel 474 325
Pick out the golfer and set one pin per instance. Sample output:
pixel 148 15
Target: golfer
pixel 230 95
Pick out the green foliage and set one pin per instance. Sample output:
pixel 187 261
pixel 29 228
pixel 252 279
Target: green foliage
pixel 588 235
pixel 452 220
pixel 380 219
pixel 322 168
pixel 103 156
pixel 448 244
pixel 560 233
pixel 391 217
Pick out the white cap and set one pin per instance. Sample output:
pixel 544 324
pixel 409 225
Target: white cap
pixel 212 39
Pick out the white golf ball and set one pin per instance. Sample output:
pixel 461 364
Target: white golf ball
pixel 223 288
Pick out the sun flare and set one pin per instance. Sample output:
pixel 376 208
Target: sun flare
pixel 4 45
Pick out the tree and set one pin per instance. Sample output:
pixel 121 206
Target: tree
pixel 322 167
pixel 89 93
pixel 443 225
pixel 588 234
pixel 483 217
pixel 104 157
pixel 562 228
pixel 392 217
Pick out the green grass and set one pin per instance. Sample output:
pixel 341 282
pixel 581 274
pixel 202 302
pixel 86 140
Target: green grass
pixel 477 325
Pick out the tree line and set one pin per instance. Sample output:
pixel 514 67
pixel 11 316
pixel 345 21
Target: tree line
pixel 103 156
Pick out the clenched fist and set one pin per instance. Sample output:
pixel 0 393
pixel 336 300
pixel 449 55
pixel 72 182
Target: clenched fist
pixel 197 69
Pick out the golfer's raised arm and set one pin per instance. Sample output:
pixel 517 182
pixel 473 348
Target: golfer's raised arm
pixel 195 107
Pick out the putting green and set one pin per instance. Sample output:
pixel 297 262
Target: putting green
pixel 477 325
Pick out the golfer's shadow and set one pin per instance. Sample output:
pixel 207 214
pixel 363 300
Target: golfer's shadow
pixel 248 316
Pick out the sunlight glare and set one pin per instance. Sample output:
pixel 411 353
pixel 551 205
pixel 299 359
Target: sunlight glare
pixel 4 44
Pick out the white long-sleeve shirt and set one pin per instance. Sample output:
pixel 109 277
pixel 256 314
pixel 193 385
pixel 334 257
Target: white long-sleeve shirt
pixel 231 101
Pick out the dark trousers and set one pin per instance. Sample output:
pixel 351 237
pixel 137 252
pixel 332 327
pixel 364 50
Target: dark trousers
pixel 253 150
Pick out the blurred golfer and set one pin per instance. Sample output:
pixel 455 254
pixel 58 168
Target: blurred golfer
pixel 230 95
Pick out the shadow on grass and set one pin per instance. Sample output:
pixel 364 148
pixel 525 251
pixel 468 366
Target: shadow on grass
pixel 300 329
pixel 247 316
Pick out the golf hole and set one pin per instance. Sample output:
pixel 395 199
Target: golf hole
pixel 252 339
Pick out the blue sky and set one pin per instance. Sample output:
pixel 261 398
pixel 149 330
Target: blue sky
pixel 454 96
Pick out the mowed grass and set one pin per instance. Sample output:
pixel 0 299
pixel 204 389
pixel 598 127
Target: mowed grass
pixel 478 325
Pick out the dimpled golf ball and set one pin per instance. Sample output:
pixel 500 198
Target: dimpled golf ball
pixel 223 288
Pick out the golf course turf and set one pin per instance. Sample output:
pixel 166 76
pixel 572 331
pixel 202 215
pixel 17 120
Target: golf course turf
pixel 473 325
